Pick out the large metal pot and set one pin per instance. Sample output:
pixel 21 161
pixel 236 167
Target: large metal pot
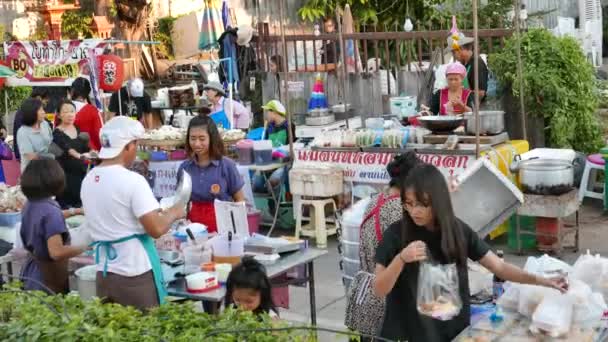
pixel 544 176
pixel 490 122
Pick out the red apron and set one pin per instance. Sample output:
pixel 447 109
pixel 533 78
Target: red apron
pixel 444 99
pixel 203 213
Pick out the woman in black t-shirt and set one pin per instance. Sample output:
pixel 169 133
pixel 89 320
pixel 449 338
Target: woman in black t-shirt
pixel 429 224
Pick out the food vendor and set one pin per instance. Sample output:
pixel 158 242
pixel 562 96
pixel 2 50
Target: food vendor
pixel 221 108
pixel 213 175
pixel 462 49
pixel 124 218
pixel 429 229
pixel 454 99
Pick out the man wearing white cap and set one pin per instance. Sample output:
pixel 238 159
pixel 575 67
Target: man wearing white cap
pixel 123 217
pixel 462 49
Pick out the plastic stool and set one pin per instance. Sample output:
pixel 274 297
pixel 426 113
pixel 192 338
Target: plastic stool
pixel 589 181
pixel 318 227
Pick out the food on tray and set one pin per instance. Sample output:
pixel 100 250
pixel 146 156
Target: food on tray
pixel 11 199
pixel 165 133
pixel 441 307
pixel 233 134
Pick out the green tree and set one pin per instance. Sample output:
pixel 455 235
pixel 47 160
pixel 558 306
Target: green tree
pixel 430 14
pixel 559 85
pixel 76 24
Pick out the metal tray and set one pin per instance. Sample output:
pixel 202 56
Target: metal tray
pixel 484 210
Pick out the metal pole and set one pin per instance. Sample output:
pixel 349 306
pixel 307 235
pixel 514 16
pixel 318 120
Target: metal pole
pixel 342 60
pixel 520 70
pixel 476 82
pixel 285 92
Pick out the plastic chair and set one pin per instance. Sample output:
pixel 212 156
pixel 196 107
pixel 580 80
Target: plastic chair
pixel 318 227
pixel 589 182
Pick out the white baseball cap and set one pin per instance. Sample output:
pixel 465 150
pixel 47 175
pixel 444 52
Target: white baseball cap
pixel 136 87
pixel 118 133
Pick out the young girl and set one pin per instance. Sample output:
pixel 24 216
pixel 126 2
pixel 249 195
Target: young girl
pixel 249 289
pixel 43 230
pixel 430 226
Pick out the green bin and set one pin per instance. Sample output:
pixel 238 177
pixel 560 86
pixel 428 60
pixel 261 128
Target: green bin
pixel 527 224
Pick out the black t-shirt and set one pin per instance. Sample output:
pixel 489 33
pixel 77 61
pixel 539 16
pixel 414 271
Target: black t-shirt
pixel 131 106
pixel 402 321
pixel 483 75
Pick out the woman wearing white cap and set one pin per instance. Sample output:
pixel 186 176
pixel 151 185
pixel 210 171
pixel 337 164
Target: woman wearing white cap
pixel 220 109
pixel 123 218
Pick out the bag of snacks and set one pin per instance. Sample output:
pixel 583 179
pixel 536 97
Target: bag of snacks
pixel 438 291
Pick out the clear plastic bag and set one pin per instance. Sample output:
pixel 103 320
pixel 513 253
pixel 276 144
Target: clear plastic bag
pixel 530 296
pixel 438 291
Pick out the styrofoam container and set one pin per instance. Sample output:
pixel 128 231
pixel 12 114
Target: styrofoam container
pixel 317 181
pixel 350 249
pixel 350 267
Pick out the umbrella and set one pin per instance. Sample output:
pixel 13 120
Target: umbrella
pixel 226 15
pixel 351 53
pixel 212 26
pixel 6 72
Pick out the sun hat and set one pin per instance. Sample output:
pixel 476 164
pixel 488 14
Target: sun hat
pixel 136 87
pixel 276 107
pixel 244 34
pixel 118 133
pixel 217 86
pixel 455 42
pixel 456 68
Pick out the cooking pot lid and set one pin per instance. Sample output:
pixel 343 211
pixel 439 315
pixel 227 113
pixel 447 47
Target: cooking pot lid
pixel 545 165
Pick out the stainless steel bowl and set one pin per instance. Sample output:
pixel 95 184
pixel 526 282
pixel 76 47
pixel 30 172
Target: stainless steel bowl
pixel 490 122
pixel 441 123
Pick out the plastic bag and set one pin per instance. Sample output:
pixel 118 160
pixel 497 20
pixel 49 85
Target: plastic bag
pixel 438 291
pixel 530 296
pixel 589 307
pixel 510 298
pixel 553 315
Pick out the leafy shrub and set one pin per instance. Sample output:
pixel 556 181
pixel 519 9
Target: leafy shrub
pixel 559 85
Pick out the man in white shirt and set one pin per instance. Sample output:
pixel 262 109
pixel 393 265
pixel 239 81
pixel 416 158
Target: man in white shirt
pixel 123 217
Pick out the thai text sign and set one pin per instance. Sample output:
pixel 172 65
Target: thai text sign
pixel 49 63
pixel 370 167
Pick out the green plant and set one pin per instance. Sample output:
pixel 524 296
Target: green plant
pixel 163 35
pixel 34 316
pixel 559 85
pixel 15 96
pixel 76 24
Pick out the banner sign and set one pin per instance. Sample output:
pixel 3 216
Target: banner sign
pixel 164 175
pixel 370 167
pixel 51 62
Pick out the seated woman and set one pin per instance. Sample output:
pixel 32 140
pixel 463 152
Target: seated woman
pixel 277 132
pixel 454 99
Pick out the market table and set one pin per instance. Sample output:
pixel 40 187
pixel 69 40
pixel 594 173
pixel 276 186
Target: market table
pixel 287 262
pixel 263 170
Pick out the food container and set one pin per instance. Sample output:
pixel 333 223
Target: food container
pixel 544 176
pixel 178 155
pixel 85 281
pixel 262 152
pixel 316 181
pixel 10 219
pixel 194 256
pixel 201 282
pixel 403 106
pixel 244 151
pixel 374 123
pixel 253 220
pixel 198 230
pixel 223 270
pixel 350 232
pixel 226 250
pixel 159 156
pixel 441 123
pixel 490 122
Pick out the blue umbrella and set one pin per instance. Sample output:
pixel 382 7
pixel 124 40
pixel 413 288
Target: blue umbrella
pixel 226 15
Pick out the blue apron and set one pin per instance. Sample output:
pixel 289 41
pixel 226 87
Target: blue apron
pixel 220 118
pixel 148 244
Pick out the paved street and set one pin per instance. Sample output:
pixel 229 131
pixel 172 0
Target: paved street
pixel 330 291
